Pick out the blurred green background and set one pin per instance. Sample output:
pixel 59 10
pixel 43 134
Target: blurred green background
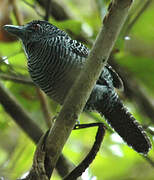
pixel 132 57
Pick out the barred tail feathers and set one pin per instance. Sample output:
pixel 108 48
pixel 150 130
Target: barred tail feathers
pixel 117 115
pixel 129 129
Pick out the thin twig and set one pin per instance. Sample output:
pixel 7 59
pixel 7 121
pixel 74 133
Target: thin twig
pixel 97 119
pixel 14 109
pixel 75 173
pixel 11 69
pixel 131 24
pixel 3 59
pixel 45 107
pixel 151 162
pixel 17 13
pixel 56 10
pixel 150 131
pixel 17 79
pixel 48 5
pixel 33 7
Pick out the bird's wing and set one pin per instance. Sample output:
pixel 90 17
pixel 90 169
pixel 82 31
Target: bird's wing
pixel 78 48
pixel 116 80
pixel 83 51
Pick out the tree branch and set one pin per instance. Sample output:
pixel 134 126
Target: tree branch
pixel 76 99
pixel 33 7
pixel 151 162
pixel 20 116
pixel 56 10
pixel 17 13
pixel 131 24
pixel 75 173
pixel 17 79
pixel 48 5
pixel 45 107
pixel 26 123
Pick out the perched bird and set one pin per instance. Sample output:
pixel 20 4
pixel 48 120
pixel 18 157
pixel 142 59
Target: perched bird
pixel 54 62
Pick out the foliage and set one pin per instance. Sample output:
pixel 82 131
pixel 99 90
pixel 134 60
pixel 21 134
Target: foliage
pixel 135 55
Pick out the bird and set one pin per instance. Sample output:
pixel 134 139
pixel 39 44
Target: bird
pixel 54 62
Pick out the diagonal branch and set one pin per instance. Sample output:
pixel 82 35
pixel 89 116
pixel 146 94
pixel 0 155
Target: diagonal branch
pixel 17 79
pixel 142 10
pixel 20 116
pixel 26 123
pixel 45 107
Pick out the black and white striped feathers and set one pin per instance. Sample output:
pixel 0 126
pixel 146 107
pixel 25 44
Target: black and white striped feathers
pixel 55 60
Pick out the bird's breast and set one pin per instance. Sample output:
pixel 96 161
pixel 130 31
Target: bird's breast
pixel 53 72
pixel 55 81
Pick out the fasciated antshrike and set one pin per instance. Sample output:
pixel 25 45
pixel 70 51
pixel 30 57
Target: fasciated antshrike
pixel 54 62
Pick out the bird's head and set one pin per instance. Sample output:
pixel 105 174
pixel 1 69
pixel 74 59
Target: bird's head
pixel 34 31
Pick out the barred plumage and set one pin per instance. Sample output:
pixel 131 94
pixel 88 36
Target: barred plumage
pixel 54 62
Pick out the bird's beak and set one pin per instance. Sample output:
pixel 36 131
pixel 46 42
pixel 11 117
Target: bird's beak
pixel 15 30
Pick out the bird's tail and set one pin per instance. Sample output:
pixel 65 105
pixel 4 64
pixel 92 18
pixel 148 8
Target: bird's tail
pixel 111 107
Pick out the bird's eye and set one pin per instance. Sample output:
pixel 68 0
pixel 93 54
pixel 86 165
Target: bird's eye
pixel 36 27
